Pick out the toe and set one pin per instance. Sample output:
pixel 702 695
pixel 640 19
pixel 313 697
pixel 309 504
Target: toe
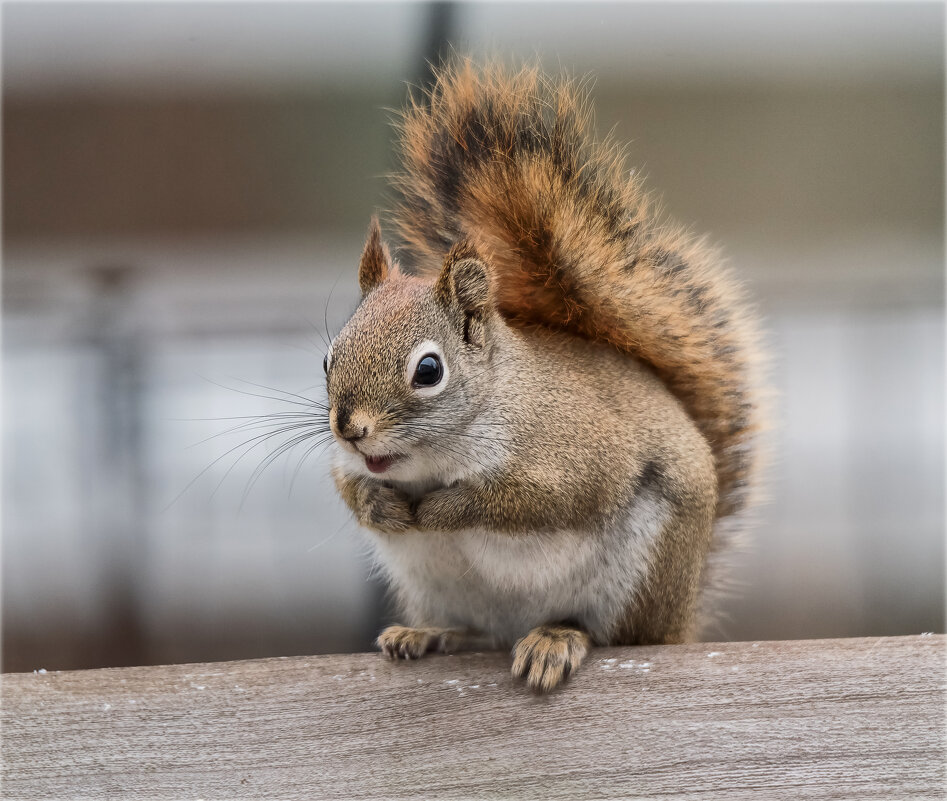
pixel 522 656
pixel 546 672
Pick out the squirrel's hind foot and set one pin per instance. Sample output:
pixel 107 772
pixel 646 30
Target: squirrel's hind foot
pixel 549 654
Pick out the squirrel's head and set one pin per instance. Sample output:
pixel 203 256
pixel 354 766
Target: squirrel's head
pixel 407 375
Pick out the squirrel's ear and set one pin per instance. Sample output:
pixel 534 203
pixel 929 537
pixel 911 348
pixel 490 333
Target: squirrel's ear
pixel 376 260
pixel 464 279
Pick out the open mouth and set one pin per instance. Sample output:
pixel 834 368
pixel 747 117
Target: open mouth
pixel 379 464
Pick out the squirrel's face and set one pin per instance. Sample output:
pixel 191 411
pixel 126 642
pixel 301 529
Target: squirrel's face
pixel 405 375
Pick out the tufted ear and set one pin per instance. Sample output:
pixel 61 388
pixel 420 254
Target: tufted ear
pixel 376 260
pixel 464 284
pixel 464 280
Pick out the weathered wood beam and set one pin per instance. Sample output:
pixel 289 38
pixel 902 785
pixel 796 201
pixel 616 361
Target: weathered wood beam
pixel 858 718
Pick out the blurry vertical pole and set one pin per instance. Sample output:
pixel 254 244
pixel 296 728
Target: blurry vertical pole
pixel 119 513
pixel 439 32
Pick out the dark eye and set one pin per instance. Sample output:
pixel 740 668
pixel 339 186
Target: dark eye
pixel 428 372
pixel 325 363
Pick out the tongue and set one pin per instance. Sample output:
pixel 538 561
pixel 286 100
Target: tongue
pixel 378 464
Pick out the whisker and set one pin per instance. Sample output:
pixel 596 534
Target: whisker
pixel 310 401
pixel 235 417
pixel 284 447
pixel 254 440
pixel 325 311
pixel 323 443
pixel 316 330
pixel 262 439
pixel 483 550
pixel 330 537
pixel 308 405
pixel 254 425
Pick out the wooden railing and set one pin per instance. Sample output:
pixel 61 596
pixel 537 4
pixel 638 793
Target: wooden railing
pixel 857 719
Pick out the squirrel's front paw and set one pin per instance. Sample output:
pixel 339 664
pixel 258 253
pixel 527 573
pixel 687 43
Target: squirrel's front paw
pixel 383 508
pixel 548 654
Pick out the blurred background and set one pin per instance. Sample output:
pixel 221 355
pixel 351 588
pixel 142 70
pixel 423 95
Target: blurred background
pixel 186 189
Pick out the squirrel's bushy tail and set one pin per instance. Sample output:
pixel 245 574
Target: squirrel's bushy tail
pixel 508 160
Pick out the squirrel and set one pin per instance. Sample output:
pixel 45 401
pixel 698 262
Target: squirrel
pixel 548 419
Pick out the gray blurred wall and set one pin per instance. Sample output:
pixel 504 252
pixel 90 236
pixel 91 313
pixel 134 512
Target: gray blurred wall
pixel 186 189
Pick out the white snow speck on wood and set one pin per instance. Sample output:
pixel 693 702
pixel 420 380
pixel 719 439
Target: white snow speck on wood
pixel 40 671
pixel 452 681
pixel 712 654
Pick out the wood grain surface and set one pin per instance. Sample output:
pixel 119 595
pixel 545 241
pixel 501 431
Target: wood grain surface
pixel 858 719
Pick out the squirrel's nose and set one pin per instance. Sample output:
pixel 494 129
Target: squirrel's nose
pixel 354 434
pixel 351 427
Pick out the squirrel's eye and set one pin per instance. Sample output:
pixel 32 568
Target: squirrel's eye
pixel 428 372
pixel 325 363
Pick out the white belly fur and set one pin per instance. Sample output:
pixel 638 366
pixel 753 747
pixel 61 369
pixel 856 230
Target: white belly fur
pixel 504 585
